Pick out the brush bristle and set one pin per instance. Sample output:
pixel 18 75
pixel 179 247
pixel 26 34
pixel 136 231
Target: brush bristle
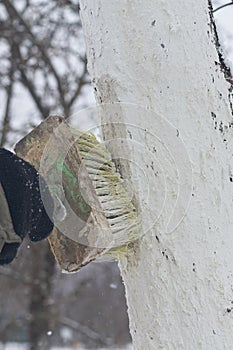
pixel 114 199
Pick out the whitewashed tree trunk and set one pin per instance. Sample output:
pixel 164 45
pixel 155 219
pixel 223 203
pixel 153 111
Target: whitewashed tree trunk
pixel 161 57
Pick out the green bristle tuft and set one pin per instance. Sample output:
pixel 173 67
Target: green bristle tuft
pixel 114 199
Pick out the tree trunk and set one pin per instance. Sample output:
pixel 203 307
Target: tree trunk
pixel 42 270
pixel 159 60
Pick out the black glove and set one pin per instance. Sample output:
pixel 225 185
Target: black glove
pixel 22 210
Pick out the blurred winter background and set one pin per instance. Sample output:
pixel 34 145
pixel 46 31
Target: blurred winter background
pixel 43 72
pixel 224 21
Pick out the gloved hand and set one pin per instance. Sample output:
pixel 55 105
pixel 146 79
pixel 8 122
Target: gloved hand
pixel 22 210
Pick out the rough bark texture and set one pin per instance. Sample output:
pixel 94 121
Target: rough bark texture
pixel 177 129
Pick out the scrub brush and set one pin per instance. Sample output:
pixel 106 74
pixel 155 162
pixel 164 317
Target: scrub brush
pixel 94 214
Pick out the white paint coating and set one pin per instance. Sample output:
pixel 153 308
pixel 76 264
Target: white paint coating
pixel 161 55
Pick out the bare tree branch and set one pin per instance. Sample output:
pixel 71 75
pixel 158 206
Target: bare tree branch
pixel 30 85
pixel 6 119
pixel 15 14
pixel 77 326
